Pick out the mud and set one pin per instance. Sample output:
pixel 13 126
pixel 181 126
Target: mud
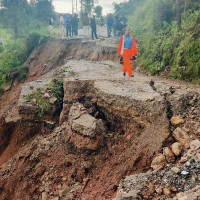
pixel 50 159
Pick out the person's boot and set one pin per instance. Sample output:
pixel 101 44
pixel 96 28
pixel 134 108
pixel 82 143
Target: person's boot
pixel 124 74
pixel 132 75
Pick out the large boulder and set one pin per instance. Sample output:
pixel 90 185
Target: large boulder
pixel 84 124
pixel 181 136
pixel 176 148
pixel 176 120
pixel 195 145
pixel 158 162
pixel 84 131
pixel 168 155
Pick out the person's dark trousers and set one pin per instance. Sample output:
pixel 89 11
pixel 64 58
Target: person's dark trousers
pixel 68 31
pixel 74 31
pixel 94 33
pixel 109 30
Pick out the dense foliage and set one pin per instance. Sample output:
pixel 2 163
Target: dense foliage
pixel 11 61
pixel 165 46
pixel 23 25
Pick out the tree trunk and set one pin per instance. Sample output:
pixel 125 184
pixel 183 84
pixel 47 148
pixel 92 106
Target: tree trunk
pixel 185 8
pixel 178 13
pixel 16 31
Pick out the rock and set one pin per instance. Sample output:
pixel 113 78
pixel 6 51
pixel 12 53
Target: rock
pixel 47 95
pixel 173 189
pixel 166 134
pixel 195 145
pixel 176 170
pixel 64 192
pixel 53 100
pixel 185 174
pixel 187 145
pixel 181 136
pixel 83 123
pixel 133 194
pixel 55 198
pixel 166 192
pixel 44 196
pixel 192 194
pixel 176 148
pixel 183 198
pixel 187 163
pixel 81 142
pixel 34 101
pixel 197 156
pixel 158 162
pixel 186 129
pixel 168 155
pixel 159 190
pixel 6 87
pixel 183 159
pixel 176 120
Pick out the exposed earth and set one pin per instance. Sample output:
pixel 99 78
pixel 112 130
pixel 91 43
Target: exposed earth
pixel 98 135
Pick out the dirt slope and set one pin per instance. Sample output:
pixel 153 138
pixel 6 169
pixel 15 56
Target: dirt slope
pixel 54 157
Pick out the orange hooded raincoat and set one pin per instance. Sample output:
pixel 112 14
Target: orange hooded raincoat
pixel 127 54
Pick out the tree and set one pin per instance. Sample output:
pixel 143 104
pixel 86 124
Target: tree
pixel 14 14
pixel 98 11
pixel 178 13
pixel 88 5
pixel 44 9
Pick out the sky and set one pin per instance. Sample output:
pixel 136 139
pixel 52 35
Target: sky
pixel 65 6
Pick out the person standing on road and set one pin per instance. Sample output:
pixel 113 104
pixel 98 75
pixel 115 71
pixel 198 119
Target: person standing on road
pixel 68 25
pixel 75 21
pixel 51 25
pixel 93 27
pixel 118 29
pixel 127 50
pixel 123 21
pixel 86 23
pixel 62 26
pixel 110 22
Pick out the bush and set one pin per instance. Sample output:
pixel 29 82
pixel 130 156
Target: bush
pixel 11 61
pixel 163 47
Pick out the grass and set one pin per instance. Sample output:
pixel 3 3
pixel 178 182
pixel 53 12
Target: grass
pixel 43 104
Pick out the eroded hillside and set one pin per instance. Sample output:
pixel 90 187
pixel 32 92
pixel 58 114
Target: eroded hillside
pixel 76 129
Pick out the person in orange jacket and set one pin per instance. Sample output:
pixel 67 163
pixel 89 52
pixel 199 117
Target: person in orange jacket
pixel 128 50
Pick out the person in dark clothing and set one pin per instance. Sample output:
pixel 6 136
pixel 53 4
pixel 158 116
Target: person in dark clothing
pixel 93 27
pixel 74 23
pixel 119 27
pixel 110 22
pixel 51 25
pixel 123 21
pixel 101 22
pixel 68 26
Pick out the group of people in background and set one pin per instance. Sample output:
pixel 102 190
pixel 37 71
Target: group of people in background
pixel 117 25
pixel 127 49
pixel 69 24
pixel 87 23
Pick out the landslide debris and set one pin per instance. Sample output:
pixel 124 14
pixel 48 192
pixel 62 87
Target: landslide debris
pixel 104 128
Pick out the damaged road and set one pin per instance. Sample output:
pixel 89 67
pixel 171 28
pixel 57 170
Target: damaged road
pixel 104 128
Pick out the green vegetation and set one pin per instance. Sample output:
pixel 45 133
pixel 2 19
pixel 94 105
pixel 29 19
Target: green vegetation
pixel 56 87
pixel 98 11
pixel 11 61
pixel 23 25
pixel 168 44
pixel 42 102
pixel 69 70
